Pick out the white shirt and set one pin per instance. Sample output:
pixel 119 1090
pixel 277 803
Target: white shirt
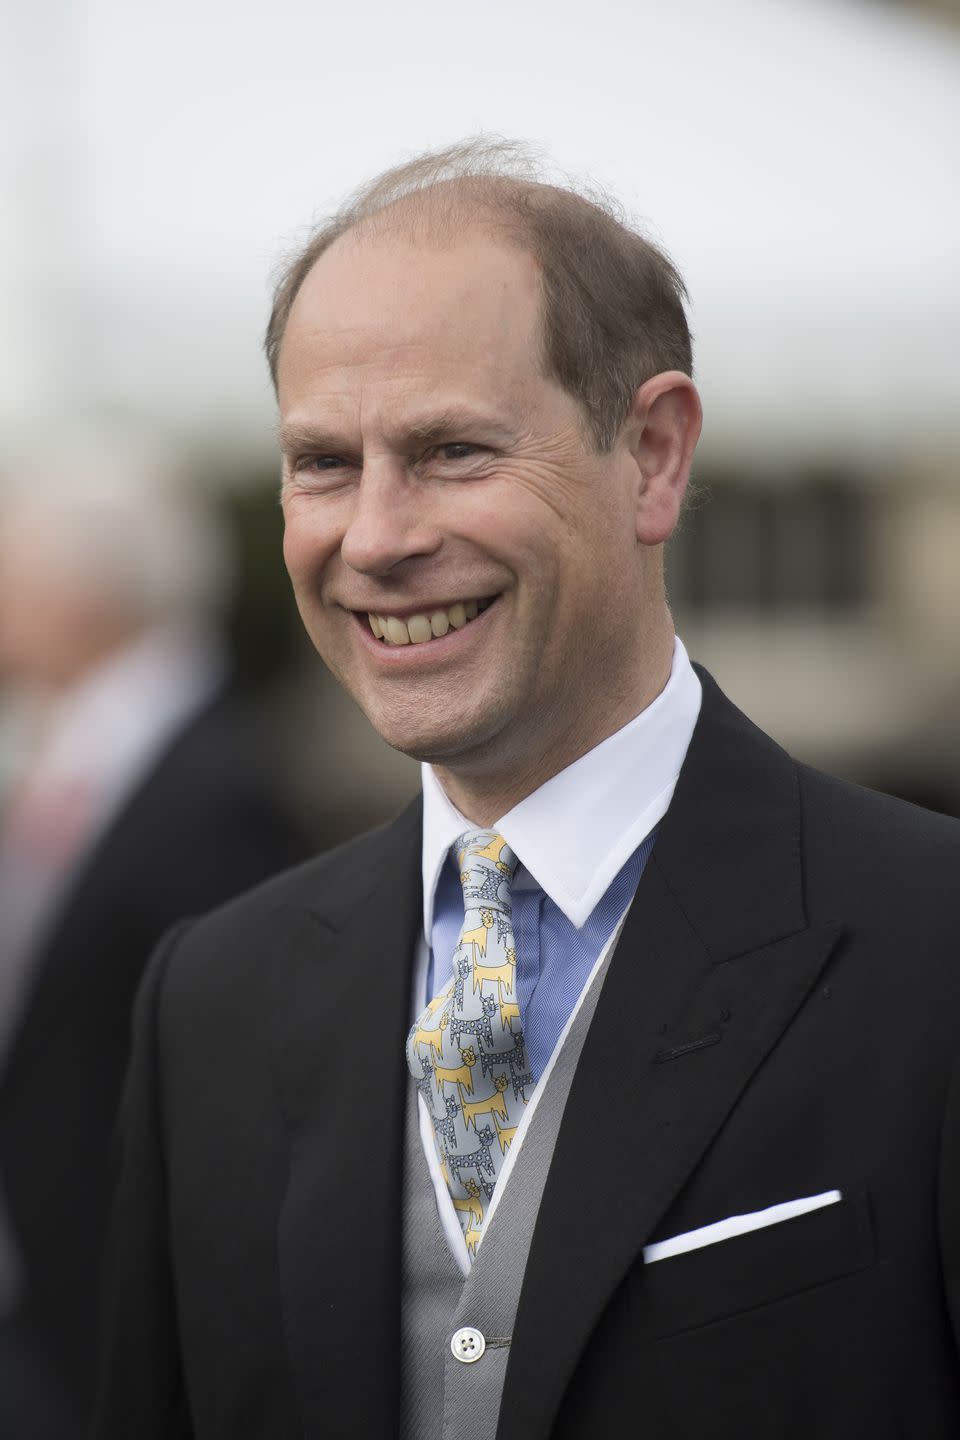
pixel 611 798
pixel 105 735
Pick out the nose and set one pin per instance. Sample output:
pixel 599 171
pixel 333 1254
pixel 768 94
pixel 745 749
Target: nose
pixel 390 522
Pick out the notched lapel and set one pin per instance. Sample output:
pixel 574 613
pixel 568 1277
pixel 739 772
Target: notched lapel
pixel 714 962
pixel 344 982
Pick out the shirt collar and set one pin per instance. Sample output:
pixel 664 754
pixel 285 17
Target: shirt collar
pixel 608 801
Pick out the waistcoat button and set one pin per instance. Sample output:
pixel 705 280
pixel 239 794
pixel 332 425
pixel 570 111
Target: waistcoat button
pixel 468 1344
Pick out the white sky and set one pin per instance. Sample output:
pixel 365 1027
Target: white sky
pixel 796 157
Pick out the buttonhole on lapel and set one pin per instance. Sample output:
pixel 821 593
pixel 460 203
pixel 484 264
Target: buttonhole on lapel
pixel 701 1043
pixel 326 932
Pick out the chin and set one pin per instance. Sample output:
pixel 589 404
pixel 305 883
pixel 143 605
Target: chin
pixel 443 741
pixel 434 748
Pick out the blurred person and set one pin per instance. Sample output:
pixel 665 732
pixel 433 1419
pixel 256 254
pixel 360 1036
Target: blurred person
pixel 611 1090
pixel 142 796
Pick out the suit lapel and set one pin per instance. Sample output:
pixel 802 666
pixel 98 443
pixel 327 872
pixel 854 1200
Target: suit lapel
pixel 344 985
pixel 714 961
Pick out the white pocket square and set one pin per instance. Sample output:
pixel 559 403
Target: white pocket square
pixel 736 1225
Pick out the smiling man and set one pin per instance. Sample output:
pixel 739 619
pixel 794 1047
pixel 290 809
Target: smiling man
pixel 469 563
pixel 608 1091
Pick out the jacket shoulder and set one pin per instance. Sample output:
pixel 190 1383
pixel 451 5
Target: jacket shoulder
pixel 243 933
pixel 890 859
pixel 878 821
pixel 325 883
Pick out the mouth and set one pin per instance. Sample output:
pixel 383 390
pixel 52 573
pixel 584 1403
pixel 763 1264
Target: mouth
pixel 428 625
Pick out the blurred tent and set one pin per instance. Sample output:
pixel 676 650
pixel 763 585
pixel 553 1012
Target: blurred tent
pixel 798 158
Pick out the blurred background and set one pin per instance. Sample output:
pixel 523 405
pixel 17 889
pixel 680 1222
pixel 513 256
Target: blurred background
pixel 797 158
pixel 166 734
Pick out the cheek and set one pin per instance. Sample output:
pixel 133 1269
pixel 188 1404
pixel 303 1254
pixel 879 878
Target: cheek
pixel 307 548
pixel 292 548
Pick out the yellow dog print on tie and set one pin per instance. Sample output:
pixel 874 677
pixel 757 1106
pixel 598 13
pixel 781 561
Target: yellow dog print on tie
pixel 457 1031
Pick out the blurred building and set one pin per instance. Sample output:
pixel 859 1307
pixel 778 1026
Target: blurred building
pixel 826 599
pixel 941 9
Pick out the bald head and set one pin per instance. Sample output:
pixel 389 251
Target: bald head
pixel 612 311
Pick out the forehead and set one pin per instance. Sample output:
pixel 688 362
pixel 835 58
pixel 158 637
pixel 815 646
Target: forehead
pixel 388 313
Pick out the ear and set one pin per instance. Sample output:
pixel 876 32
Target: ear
pixel 662 431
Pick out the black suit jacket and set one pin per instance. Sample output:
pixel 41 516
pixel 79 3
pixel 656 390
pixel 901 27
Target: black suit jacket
pixel 202 825
pixel 779 1020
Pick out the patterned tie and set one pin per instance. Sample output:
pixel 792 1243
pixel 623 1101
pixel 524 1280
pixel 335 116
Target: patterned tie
pixel 466 1051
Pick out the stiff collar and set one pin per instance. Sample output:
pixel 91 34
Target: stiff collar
pixel 575 833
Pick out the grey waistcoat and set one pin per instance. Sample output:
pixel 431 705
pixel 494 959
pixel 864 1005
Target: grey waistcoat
pixel 441 1397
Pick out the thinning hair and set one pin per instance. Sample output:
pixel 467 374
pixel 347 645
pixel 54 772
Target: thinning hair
pixel 613 302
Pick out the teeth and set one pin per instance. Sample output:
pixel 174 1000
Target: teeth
pixel 396 631
pixel 420 628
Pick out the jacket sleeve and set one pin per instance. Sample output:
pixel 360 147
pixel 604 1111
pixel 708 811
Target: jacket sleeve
pixel 142 1389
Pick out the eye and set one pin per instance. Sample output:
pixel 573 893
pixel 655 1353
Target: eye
pixel 458 450
pixel 319 462
pixel 325 474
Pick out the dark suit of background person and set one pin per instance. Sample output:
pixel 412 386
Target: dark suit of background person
pixel 778 1020
pixel 203 825
pixel 143 793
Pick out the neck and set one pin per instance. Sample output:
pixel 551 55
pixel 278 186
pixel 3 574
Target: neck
pixel 485 795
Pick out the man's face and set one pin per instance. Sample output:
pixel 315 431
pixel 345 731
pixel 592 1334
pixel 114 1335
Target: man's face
pixel 431 473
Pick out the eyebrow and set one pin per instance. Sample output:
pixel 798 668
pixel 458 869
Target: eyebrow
pixel 305 437
pixel 449 424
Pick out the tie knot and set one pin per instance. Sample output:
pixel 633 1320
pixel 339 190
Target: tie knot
pixel 487 866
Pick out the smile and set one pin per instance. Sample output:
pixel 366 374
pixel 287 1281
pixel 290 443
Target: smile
pixel 431 625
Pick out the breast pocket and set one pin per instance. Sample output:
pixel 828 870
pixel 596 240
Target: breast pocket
pixel 758 1268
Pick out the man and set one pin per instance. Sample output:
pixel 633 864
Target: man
pixel 142 798
pixel 688 1171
